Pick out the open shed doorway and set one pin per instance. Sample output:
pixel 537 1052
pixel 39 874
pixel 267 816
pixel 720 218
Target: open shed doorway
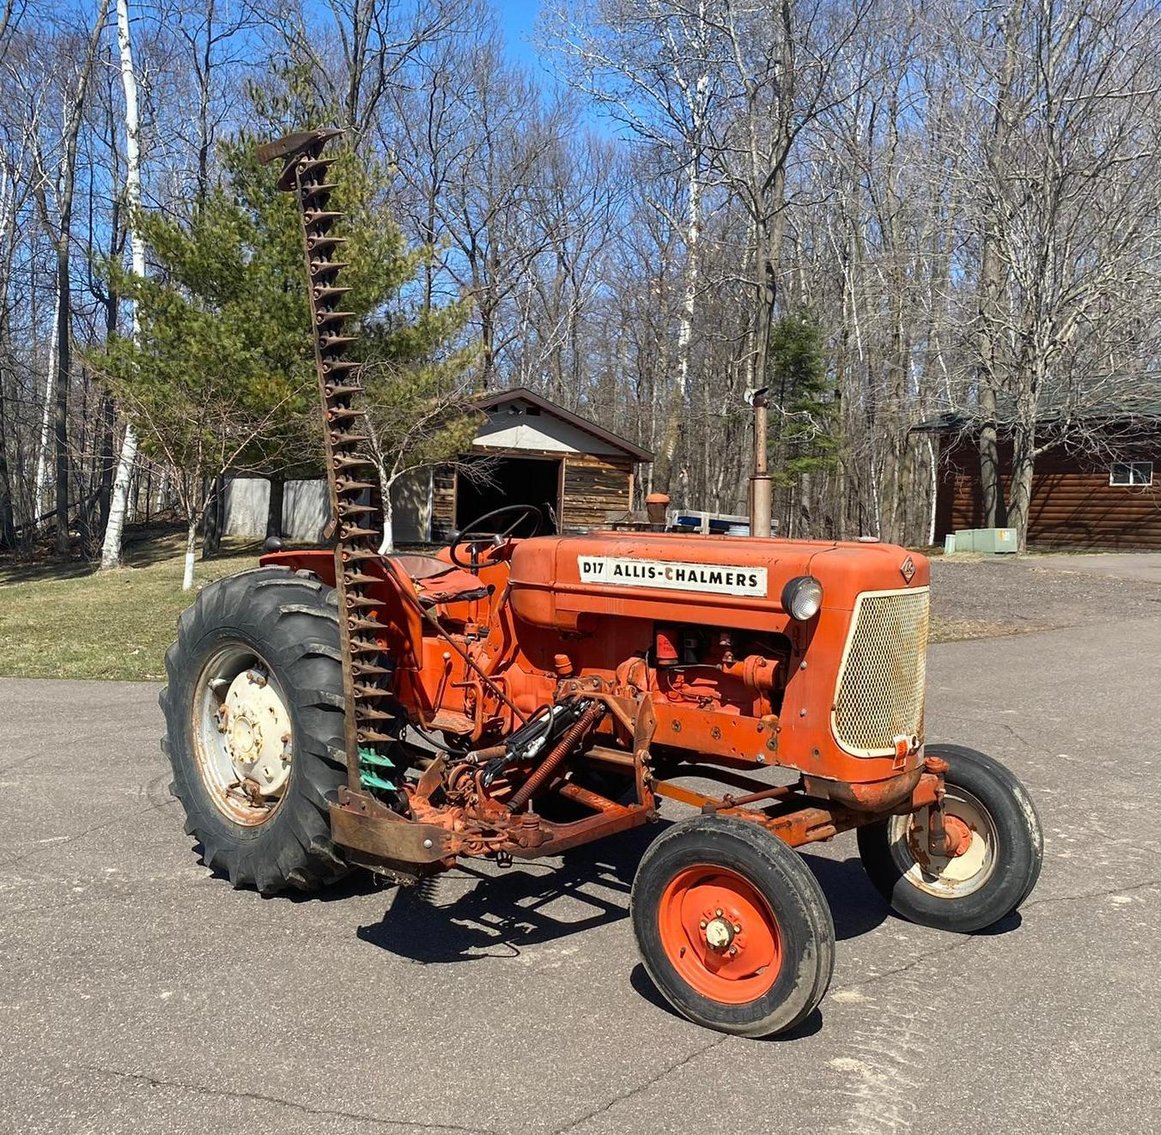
pixel 508 481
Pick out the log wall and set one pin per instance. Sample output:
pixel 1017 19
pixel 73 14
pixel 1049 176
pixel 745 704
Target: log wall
pixel 1073 504
pixel 595 489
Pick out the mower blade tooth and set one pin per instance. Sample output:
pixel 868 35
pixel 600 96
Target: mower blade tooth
pixel 291 147
pixel 371 736
pixel 330 342
pixel 367 670
pixel 357 602
pixel 325 317
pixel 327 267
pixel 372 692
pixel 358 626
pixel 346 485
pixel 319 221
pixel 353 532
pixel 351 461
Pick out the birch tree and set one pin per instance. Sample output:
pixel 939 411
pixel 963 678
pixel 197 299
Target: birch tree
pixel 55 197
pixel 656 69
pixel 111 547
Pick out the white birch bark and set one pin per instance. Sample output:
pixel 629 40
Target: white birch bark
pixel 46 416
pixel 387 544
pixel 191 538
pixel 118 505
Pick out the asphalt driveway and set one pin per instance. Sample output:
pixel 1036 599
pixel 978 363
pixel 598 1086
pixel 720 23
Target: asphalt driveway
pixel 137 993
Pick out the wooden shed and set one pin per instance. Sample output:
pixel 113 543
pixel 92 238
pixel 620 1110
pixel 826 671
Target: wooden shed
pixel 1106 498
pixel 531 451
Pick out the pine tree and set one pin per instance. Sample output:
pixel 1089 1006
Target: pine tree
pixel 221 378
pixel 804 440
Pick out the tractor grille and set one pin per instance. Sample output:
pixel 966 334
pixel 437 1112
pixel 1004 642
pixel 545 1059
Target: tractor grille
pixel 882 677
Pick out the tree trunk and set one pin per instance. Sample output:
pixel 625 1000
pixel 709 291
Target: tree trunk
pixel 111 553
pixel 387 512
pixel 275 507
pixel 213 517
pixel 40 486
pixel 114 528
pixel 675 412
pixel 191 538
pixel 108 465
pixel 1020 492
pixel 991 284
pixel 61 398
pixel 7 513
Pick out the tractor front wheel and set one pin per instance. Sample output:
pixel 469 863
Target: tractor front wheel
pixel 995 842
pixel 732 927
pixel 254 727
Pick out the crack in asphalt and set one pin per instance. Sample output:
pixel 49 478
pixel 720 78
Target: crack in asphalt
pixel 120 818
pixel 1107 892
pixel 23 761
pixel 917 960
pixel 294 1105
pixel 573 1124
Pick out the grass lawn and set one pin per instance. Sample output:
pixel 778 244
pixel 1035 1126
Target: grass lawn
pixel 66 621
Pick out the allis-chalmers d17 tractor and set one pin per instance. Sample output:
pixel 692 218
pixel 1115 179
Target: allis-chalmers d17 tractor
pixel 572 682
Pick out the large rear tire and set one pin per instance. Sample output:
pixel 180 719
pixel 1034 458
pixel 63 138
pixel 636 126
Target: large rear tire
pixel 998 840
pixel 254 727
pixel 732 927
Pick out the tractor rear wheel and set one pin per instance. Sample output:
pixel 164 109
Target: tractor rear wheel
pixel 732 927
pixel 254 727
pixel 998 848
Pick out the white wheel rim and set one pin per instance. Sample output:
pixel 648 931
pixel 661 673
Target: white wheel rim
pixel 945 877
pixel 242 735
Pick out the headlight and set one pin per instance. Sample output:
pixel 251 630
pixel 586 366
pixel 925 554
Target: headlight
pixel 802 597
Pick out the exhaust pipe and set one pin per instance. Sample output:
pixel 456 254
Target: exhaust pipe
pixel 761 492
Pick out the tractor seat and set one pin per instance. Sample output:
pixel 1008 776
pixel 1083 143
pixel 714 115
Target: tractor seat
pixel 436 581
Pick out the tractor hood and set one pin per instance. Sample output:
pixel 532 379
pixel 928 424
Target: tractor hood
pixel 569 582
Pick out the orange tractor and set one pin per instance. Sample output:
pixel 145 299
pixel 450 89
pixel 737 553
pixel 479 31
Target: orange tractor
pixel 516 697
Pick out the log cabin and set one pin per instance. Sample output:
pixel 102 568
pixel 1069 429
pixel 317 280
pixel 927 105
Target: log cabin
pixel 1105 495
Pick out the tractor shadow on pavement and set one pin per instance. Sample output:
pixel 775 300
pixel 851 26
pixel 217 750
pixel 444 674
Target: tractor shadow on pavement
pixel 484 912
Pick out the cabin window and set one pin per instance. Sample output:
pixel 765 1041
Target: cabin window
pixel 1131 473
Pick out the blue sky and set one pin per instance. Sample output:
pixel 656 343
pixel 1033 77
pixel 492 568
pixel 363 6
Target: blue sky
pixel 518 18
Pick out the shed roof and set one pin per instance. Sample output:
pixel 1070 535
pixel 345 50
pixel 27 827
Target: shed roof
pixel 523 394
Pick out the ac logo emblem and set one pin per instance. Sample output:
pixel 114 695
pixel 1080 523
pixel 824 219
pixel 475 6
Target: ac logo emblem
pixel 907 567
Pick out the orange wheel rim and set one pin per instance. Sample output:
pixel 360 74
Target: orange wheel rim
pixel 720 934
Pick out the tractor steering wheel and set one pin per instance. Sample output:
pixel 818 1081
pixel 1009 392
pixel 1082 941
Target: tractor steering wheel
pixel 477 540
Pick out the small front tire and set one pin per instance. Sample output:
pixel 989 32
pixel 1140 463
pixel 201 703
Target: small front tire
pixel 732 927
pixel 999 842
